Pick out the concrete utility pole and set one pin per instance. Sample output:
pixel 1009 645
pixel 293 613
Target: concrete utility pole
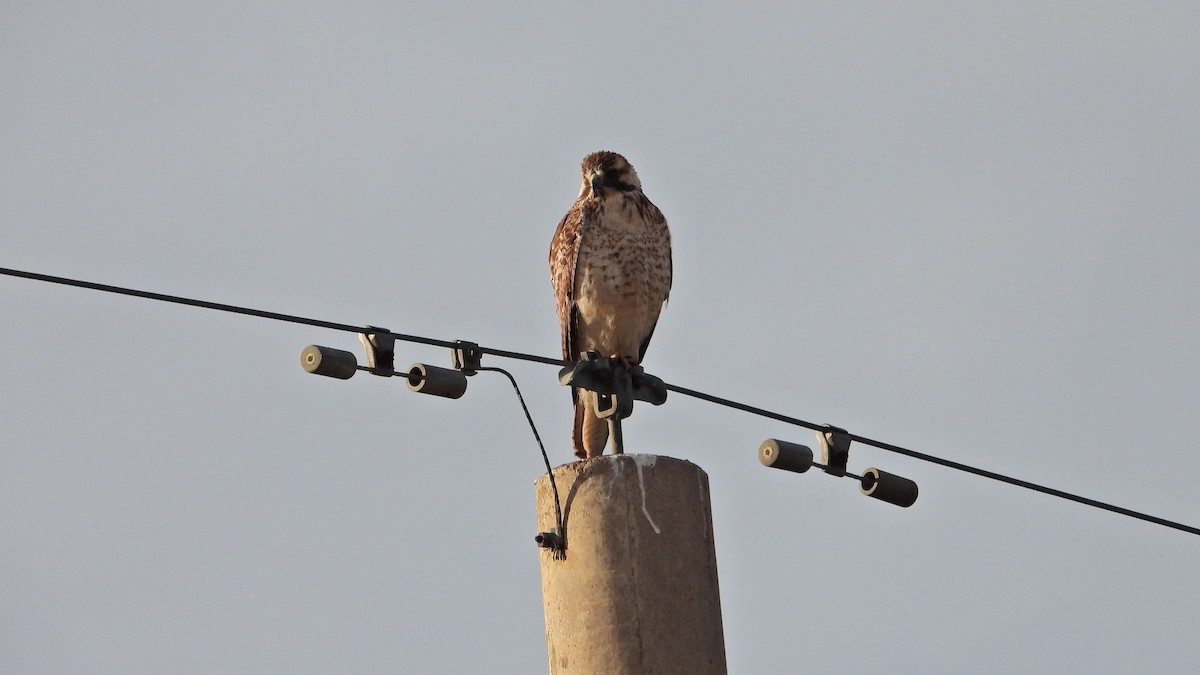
pixel 637 592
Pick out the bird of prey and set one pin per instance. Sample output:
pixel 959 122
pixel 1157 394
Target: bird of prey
pixel 610 264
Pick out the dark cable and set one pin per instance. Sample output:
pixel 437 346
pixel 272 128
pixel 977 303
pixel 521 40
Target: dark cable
pixel 559 362
pixel 558 519
pixel 938 460
pixel 276 316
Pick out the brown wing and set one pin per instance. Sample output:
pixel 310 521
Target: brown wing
pixel 652 215
pixel 564 252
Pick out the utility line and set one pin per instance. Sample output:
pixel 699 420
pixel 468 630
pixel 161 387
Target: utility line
pixel 762 412
pixel 263 314
pixel 938 460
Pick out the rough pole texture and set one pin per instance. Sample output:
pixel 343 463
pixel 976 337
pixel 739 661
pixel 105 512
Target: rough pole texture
pixel 637 592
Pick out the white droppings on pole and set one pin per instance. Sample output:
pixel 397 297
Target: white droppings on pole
pixel 617 469
pixel 647 461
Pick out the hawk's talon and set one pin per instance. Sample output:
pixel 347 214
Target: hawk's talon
pixel 629 361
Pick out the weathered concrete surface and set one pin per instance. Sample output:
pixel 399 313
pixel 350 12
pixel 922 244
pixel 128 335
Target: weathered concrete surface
pixel 637 592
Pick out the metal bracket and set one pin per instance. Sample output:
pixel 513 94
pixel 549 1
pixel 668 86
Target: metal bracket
pixel 616 383
pixel 835 449
pixel 381 350
pixel 466 357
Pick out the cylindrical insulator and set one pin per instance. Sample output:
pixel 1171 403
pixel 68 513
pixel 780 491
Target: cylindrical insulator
pixel 888 487
pixel 783 455
pixel 445 382
pixel 328 362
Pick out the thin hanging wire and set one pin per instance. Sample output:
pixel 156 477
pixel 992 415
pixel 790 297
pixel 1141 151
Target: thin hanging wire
pixel 558 517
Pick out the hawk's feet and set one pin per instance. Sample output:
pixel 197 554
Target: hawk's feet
pixel 629 361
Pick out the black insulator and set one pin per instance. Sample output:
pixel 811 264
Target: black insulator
pixel 889 487
pixel 328 362
pixel 783 455
pixel 447 382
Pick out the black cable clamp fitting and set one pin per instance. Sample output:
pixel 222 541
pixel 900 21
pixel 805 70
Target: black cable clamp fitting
pixel 550 539
pixel 381 350
pixel 554 540
pixel 835 450
pixel 617 385
pixel 466 356
pixel 380 344
pixel 835 454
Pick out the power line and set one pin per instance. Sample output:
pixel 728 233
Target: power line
pixel 218 306
pixel 762 412
pixel 263 314
pixel 938 460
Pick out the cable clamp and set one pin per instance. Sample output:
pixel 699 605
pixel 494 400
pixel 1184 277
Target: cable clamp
pixel 617 384
pixel 835 449
pixel 381 350
pixel 466 356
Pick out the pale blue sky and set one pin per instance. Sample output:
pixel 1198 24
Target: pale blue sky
pixel 966 229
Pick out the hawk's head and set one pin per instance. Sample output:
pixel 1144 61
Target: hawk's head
pixel 606 171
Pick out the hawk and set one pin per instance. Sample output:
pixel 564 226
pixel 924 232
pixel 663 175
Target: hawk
pixel 610 264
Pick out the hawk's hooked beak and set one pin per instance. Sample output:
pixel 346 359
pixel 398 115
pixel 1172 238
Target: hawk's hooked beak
pixel 596 180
